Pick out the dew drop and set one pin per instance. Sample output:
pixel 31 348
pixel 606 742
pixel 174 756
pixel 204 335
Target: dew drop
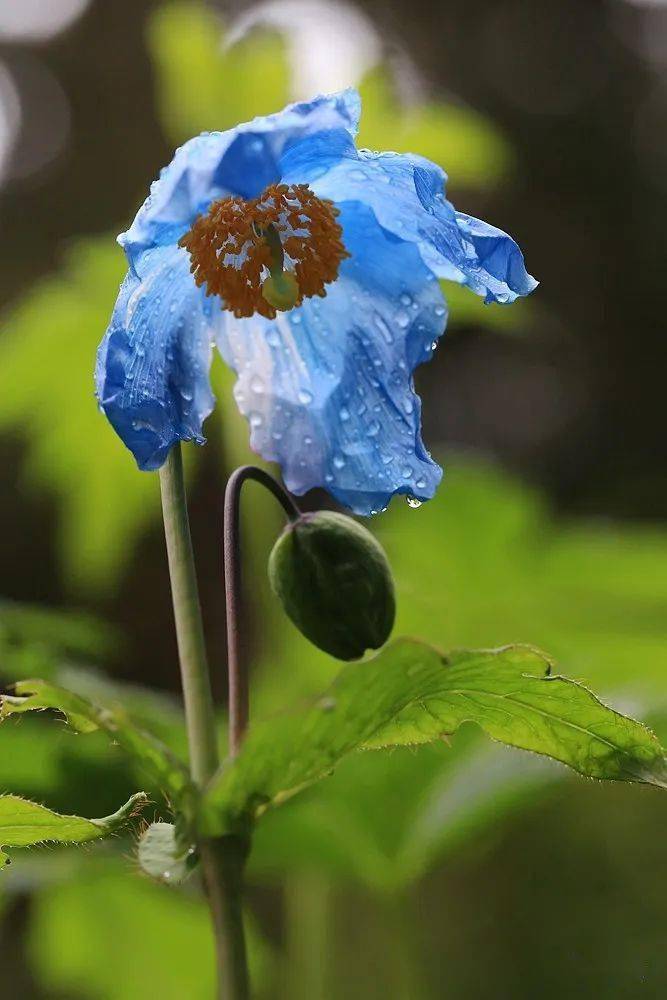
pixel 406 472
pixel 413 501
pixel 421 483
pixel 257 384
pixel 403 319
pixel 256 419
pixel 307 440
pixel 373 428
pixel 440 310
pixel 386 333
pixel 406 299
pixel 273 337
pixel 338 461
pixel 305 397
pixel 344 414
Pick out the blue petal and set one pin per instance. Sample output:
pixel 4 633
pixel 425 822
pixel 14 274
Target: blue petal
pixel 406 194
pixel 151 377
pixel 327 388
pixel 240 161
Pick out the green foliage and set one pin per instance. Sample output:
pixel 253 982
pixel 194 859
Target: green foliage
pixel 70 450
pixel 160 764
pixel 385 819
pixel 465 144
pixel 410 694
pixel 201 84
pixel 334 582
pixel 162 856
pixel 99 931
pixel 24 824
pixel 108 934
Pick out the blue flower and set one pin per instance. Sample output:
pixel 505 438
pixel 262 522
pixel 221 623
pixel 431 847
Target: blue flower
pixel 313 267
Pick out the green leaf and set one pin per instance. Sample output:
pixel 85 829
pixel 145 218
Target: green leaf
pixel 24 823
pixel 161 854
pixel 410 694
pixel 168 772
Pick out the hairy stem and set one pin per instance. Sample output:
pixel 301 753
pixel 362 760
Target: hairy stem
pixel 222 861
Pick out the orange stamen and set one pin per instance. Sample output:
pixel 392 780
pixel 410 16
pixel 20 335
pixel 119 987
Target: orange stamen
pixel 233 246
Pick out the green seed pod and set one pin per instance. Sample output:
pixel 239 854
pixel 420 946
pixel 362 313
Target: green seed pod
pixel 334 581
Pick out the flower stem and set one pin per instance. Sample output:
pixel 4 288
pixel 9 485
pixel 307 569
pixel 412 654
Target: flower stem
pixel 236 668
pixel 222 861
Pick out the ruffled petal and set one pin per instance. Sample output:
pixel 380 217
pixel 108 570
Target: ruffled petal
pixel 241 161
pixel 152 372
pixel 407 195
pixel 327 388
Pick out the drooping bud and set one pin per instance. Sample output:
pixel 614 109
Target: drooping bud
pixel 334 582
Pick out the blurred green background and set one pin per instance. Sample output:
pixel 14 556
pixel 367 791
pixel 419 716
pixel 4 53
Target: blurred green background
pixel 467 871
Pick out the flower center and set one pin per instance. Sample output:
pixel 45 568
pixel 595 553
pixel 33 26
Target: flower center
pixel 269 253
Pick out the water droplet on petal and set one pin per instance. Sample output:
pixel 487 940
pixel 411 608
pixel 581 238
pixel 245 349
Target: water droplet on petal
pixel 338 461
pixel 383 328
pixel 406 299
pixel 256 419
pixel 403 319
pixel 406 472
pixel 344 414
pixel 421 483
pixel 413 501
pixel 440 310
pixel 373 428
pixel 257 384
pixel 273 337
pixel 305 397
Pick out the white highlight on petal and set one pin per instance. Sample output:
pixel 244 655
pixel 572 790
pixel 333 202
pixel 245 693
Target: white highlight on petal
pixel 331 44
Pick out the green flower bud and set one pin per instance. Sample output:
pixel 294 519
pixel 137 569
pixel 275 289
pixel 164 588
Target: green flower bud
pixel 334 581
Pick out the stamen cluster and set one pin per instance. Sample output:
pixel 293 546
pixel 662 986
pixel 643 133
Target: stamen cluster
pixel 233 246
